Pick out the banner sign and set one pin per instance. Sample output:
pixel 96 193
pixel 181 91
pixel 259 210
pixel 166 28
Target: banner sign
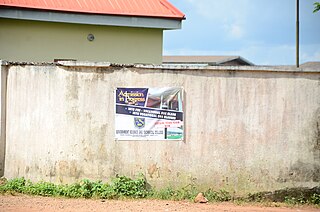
pixel 149 114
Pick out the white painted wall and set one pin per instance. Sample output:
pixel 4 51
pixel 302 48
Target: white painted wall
pixel 246 130
pixel 3 92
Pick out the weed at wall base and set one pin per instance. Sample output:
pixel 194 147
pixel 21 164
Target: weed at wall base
pixel 125 187
pixel 120 186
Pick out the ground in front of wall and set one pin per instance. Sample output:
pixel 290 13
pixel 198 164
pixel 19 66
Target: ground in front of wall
pixel 23 203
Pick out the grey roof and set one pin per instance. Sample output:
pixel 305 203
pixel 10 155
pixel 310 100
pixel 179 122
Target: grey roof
pixel 308 66
pixel 209 60
pixel 314 65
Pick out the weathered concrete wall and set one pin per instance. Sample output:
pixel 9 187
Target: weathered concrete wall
pixel 3 92
pixel 246 130
pixel 48 41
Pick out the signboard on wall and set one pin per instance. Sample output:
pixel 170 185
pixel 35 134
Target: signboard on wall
pixel 149 113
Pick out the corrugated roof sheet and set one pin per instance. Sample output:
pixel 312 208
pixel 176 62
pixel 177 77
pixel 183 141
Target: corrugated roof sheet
pixel 312 65
pixel 203 59
pixel 196 59
pixel 146 8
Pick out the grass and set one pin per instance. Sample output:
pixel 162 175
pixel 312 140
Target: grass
pixel 120 186
pixel 124 187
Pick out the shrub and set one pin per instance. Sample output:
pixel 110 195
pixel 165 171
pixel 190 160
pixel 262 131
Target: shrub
pixel 217 196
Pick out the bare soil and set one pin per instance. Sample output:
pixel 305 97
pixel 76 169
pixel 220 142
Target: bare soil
pixel 22 203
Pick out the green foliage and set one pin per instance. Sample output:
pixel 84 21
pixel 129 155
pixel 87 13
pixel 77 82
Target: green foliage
pixel 185 194
pixel 190 193
pixel 164 194
pixel 40 188
pixel 16 185
pixel 73 190
pixel 315 199
pixel 178 194
pixel 257 197
pixel 316 7
pixel 217 196
pixel 122 186
pixel 107 192
pixel 295 201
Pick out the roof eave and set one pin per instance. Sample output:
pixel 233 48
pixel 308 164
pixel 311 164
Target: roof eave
pixel 92 19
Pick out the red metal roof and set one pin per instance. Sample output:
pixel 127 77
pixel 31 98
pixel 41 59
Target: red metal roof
pixel 147 8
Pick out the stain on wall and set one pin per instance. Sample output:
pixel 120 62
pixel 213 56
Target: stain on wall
pixel 316 149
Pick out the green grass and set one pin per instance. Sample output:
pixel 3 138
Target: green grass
pixel 120 186
pixel 125 187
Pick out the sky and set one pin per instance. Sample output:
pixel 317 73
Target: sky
pixel 261 31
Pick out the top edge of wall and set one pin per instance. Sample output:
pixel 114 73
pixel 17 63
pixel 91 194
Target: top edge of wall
pixel 165 66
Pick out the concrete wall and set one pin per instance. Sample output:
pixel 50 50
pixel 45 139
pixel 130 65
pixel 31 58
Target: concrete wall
pixel 246 130
pixel 48 41
pixel 3 93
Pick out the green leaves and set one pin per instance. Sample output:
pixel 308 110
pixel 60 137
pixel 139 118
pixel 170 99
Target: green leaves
pixel 125 186
pixel 316 7
pixel 16 185
pixel 176 194
pixel 41 189
pixel 218 196
pixel 315 199
pixel 121 186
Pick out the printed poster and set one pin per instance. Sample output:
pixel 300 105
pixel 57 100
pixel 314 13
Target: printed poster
pixel 149 113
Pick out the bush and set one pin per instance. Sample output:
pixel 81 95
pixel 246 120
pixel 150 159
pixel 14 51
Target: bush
pixel 315 199
pixel 16 185
pixel 41 188
pixel 124 186
pixel 120 186
pixel 217 196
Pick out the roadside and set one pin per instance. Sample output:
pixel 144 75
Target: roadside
pixel 24 203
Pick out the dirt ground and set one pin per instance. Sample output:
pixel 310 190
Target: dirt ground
pixel 23 203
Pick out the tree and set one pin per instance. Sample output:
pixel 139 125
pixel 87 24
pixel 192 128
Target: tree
pixel 316 7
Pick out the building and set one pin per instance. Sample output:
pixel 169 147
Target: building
pixel 307 66
pixel 206 60
pixel 116 31
pixel 313 65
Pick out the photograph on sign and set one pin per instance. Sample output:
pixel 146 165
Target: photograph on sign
pixel 149 113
